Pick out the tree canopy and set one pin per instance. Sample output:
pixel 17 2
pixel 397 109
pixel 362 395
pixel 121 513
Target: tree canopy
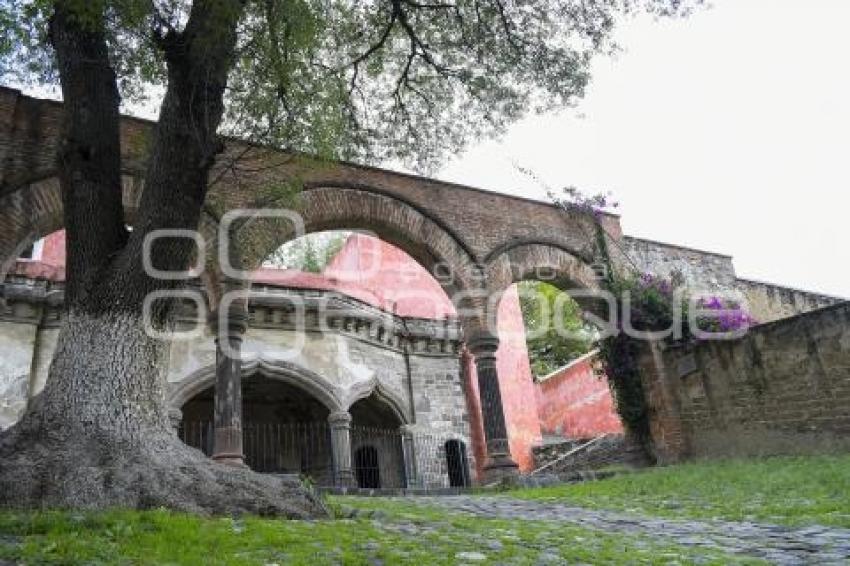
pixel 368 80
pixel 310 253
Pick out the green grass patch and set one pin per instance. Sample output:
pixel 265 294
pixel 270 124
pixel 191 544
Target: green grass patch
pixel 383 532
pixel 790 491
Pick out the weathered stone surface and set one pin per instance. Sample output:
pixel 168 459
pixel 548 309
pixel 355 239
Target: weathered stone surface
pixel 709 271
pixel 768 302
pixel 567 457
pixel 782 388
pixel 774 543
pixel 696 267
pixel 341 358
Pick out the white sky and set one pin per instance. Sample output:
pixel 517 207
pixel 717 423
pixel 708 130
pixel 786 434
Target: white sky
pixel 727 131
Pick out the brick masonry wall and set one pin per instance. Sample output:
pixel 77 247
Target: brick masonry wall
pixel 459 224
pixel 782 389
pixel 576 403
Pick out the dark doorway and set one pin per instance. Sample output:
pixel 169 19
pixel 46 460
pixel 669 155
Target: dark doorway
pixel 376 425
pixel 366 468
pixel 284 428
pixel 456 463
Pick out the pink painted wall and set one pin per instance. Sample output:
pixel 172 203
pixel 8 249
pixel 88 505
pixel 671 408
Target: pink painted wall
pixel 376 273
pixel 50 265
pixel 577 403
pixel 404 286
pixel 53 250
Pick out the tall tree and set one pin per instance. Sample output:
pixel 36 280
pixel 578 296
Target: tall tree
pixel 369 80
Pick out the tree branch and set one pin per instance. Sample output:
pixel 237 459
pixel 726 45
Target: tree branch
pixel 186 140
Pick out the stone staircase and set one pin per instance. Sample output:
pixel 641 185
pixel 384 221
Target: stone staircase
pixel 572 458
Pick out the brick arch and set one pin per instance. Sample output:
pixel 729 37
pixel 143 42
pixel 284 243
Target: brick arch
pixel 545 261
pixel 389 218
pixel 566 269
pixel 35 210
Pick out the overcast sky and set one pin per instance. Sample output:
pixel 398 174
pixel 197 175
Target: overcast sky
pixel 727 131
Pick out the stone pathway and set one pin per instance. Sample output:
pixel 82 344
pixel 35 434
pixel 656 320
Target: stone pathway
pixel 774 543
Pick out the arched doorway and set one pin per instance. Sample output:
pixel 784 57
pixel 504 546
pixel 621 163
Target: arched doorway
pixel 367 470
pixel 457 466
pixel 376 442
pixel 285 429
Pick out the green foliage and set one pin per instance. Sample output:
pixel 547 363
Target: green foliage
pixel 802 490
pixel 370 81
pixel 311 253
pixel 619 354
pixel 553 338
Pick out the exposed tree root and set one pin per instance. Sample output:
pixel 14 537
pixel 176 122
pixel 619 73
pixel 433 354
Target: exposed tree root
pixel 67 471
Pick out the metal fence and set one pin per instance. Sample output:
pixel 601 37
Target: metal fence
pixel 380 458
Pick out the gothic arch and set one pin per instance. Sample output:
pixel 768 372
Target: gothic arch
pixel 383 394
pixel 308 381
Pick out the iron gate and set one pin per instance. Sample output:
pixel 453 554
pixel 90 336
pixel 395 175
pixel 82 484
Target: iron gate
pixel 380 458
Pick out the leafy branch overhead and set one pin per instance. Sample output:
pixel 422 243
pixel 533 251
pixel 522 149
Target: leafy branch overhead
pixel 381 80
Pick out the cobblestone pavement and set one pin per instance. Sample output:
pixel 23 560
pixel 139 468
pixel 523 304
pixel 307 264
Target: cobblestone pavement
pixel 774 543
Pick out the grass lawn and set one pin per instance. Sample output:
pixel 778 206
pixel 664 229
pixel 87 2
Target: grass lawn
pixel 385 532
pixel 814 490
pixel 791 491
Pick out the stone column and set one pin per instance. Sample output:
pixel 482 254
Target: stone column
pixel 227 418
pixel 499 464
pixel 340 424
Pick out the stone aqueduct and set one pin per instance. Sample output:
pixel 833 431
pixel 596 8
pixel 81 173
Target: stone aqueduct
pixel 478 242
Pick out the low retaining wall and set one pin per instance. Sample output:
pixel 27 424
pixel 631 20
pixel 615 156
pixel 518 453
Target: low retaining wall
pixel 784 388
pixel 575 402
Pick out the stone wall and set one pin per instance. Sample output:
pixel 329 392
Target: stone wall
pixel 784 388
pixel 705 270
pixel 347 350
pixel 28 320
pixel 708 271
pixel 17 342
pixel 768 302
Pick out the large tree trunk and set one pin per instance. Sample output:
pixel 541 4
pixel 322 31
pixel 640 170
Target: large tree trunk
pixel 98 435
